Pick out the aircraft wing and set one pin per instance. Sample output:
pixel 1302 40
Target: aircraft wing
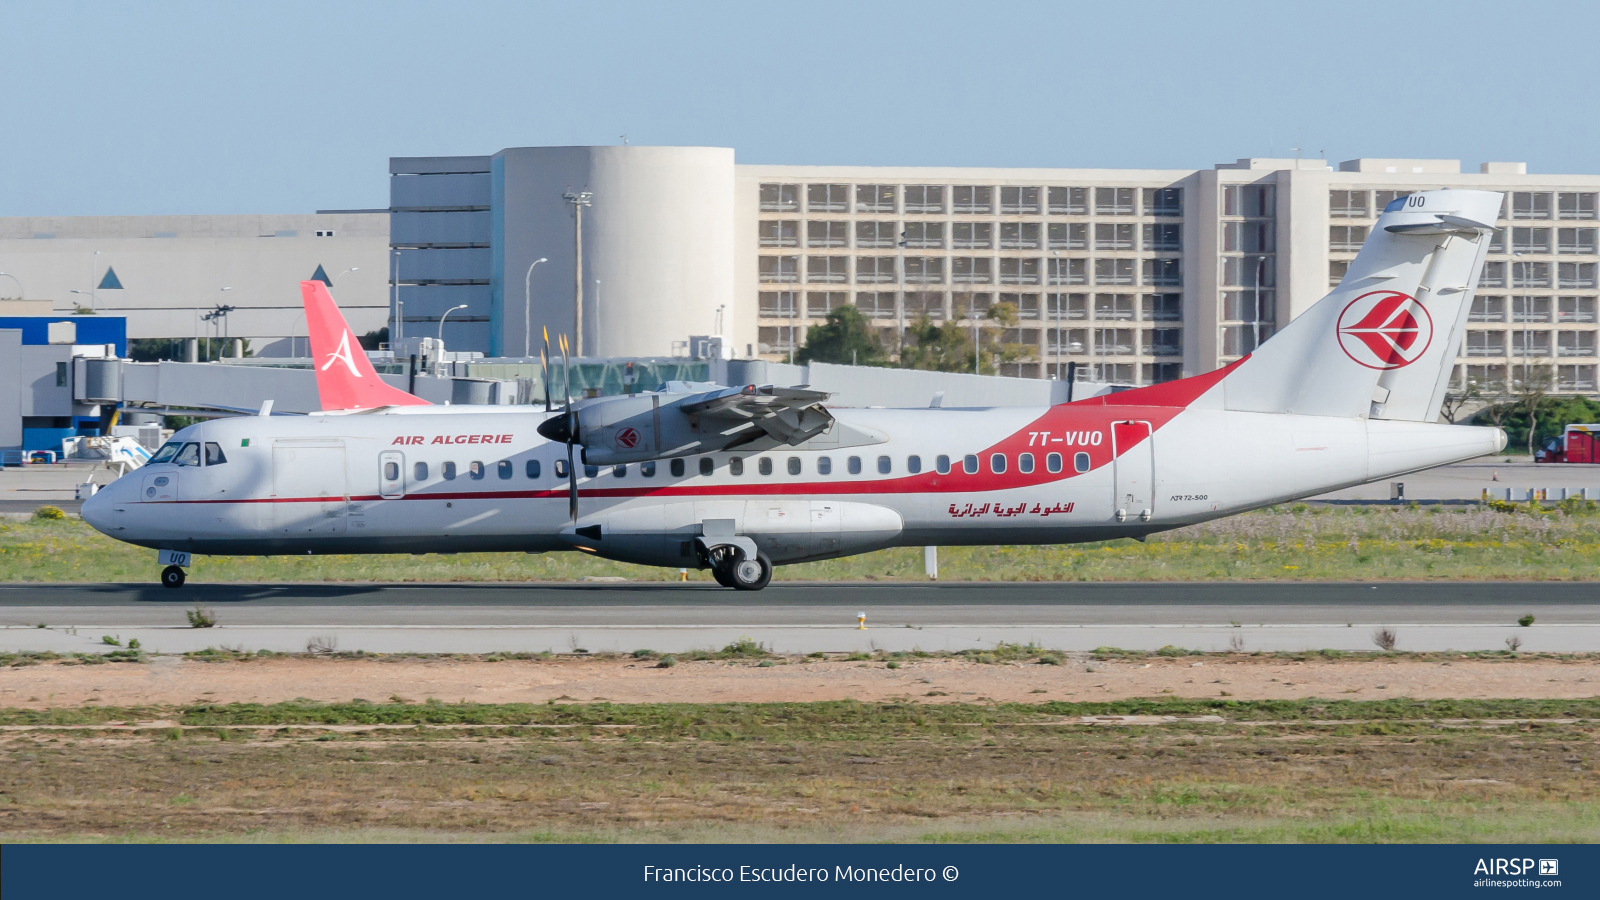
pixel 790 415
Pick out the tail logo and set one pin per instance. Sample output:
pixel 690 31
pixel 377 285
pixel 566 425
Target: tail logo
pixel 627 439
pixel 343 355
pixel 1385 330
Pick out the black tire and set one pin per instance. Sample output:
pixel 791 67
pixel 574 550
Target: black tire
pixel 172 577
pixel 720 573
pixel 751 574
pixel 722 560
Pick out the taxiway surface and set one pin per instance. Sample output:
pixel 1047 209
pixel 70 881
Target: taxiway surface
pixel 799 617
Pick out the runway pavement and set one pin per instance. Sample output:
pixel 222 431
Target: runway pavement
pixel 804 617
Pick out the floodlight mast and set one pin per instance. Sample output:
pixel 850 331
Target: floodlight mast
pixel 578 201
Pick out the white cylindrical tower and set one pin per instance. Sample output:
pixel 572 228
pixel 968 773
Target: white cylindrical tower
pixel 657 235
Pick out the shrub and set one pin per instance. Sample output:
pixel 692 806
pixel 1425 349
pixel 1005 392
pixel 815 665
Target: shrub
pixel 1385 638
pixel 113 641
pixel 667 662
pixel 49 513
pixel 890 665
pixel 1526 620
pixel 1049 659
pixel 133 643
pixel 644 654
pixel 1513 643
pixel 322 645
pixel 200 617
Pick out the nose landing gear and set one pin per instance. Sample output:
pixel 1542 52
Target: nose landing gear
pixel 172 577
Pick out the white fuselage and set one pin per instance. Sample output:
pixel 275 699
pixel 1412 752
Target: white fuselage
pixel 450 479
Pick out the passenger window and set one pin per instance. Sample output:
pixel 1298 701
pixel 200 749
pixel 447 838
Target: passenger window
pixel 706 465
pixel 647 469
pixel 677 468
pixel 475 470
pixel 506 469
pixel 214 455
pixel 884 465
pixel 1081 462
pixel 824 465
pixel 854 465
pixel 448 470
pixel 420 470
pixel 189 455
pixel 1052 462
pixel 591 471
pixel 913 464
pixel 969 464
pixel 561 468
pixel 619 471
pixel 736 465
pixel 532 468
pixel 1025 463
pixel 941 464
pixel 794 465
pixel 391 471
pixel 765 465
pixel 997 463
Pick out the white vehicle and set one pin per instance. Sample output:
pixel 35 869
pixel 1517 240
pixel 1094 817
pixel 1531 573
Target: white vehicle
pixel 740 480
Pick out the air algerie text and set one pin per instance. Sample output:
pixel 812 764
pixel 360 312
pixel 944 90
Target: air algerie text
pixel 414 439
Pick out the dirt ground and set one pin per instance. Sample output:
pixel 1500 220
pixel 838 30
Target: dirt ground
pixel 177 681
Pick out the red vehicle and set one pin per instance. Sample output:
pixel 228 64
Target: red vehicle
pixel 1577 444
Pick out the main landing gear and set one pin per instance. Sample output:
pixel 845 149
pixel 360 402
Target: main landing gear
pixel 172 577
pixel 733 569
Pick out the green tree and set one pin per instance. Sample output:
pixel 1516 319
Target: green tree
pixel 937 348
pixel 846 338
pixel 1552 417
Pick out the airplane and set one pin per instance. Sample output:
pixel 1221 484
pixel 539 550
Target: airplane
pixel 742 479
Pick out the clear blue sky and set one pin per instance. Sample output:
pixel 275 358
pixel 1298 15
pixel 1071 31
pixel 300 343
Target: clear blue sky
pixel 141 108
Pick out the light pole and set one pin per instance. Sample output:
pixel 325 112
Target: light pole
pixel 292 345
pixel 578 201
pixel 1261 262
pixel 24 290
pixel 1057 280
pixel 900 301
pixel 597 321
pixel 441 324
pixel 90 295
pixel 527 309
pixel 1527 313
pixel 398 331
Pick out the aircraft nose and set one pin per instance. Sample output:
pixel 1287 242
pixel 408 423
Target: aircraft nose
pixel 97 509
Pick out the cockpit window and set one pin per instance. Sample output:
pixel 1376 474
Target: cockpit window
pixel 167 452
pixel 214 455
pixel 189 455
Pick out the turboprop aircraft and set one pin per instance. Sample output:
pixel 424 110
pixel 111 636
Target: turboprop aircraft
pixel 740 479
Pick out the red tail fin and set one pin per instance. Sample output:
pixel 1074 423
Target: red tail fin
pixel 345 379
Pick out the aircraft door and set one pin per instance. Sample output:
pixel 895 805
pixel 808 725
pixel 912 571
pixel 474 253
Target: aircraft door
pixel 391 475
pixel 1135 470
pixel 162 488
pixel 309 496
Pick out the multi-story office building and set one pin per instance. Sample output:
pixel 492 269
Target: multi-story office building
pixel 1142 276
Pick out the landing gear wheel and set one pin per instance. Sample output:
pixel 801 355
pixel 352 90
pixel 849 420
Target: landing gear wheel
pixel 722 560
pixel 751 574
pixel 172 577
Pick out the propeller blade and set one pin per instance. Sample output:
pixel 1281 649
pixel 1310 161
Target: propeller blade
pixel 572 485
pixel 544 359
pixel 566 374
